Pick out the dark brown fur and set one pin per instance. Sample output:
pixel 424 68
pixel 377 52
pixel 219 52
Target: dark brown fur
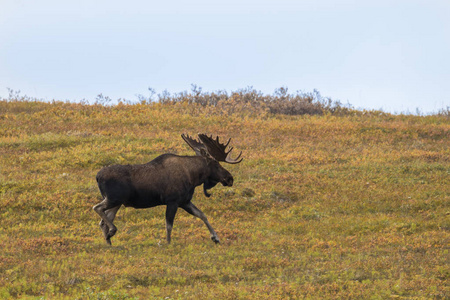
pixel 167 180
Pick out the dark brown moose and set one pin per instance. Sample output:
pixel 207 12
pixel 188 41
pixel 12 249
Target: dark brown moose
pixel 167 180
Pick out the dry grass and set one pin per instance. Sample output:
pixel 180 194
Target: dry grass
pixel 323 206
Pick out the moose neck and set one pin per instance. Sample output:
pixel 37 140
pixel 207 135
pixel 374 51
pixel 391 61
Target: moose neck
pixel 199 170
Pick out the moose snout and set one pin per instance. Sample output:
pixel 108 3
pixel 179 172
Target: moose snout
pixel 227 181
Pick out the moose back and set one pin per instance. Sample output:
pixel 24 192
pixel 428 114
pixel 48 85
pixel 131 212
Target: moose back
pixel 167 180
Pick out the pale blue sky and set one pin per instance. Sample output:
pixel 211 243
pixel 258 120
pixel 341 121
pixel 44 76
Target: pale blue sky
pixel 393 55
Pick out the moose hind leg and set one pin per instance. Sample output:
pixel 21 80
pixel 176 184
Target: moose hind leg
pixel 193 210
pixel 101 208
pixel 110 214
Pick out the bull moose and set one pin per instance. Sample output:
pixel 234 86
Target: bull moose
pixel 168 179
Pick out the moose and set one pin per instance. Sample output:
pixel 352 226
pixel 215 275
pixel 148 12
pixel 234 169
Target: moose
pixel 169 180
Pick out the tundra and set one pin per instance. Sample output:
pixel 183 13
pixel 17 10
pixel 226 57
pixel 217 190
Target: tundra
pixel 168 180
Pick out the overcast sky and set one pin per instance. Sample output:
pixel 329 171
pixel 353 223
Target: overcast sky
pixel 390 55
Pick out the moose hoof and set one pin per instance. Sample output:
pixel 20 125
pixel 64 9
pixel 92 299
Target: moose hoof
pixel 108 241
pixel 215 239
pixel 111 233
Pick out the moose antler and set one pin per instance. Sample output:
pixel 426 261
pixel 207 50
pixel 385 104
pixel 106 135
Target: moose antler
pixel 217 149
pixel 194 144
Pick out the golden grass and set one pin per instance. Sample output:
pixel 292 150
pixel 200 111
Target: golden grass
pixel 355 206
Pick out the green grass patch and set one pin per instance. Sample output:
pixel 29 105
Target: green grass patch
pixel 333 206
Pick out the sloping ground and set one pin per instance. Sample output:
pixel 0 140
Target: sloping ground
pixel 354 206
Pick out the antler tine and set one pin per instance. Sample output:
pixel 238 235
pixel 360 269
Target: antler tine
pixel 222 146
pixel 236 160
pixel 238 155
pixel 193 143
pixel 218 150
pixel 228 143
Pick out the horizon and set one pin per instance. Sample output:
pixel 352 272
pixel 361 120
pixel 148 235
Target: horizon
pixel 155 97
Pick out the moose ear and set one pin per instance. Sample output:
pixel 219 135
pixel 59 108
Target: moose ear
pixel 204 153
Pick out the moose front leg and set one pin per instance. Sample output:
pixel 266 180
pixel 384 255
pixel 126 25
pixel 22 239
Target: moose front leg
pixel 171 211
pixel 193 210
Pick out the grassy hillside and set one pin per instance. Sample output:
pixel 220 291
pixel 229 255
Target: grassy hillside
pixel 323 206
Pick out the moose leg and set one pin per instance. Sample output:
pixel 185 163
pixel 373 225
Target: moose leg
pixel 100 209
pixel 171 210
pixel 110 214
pixel 193 210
